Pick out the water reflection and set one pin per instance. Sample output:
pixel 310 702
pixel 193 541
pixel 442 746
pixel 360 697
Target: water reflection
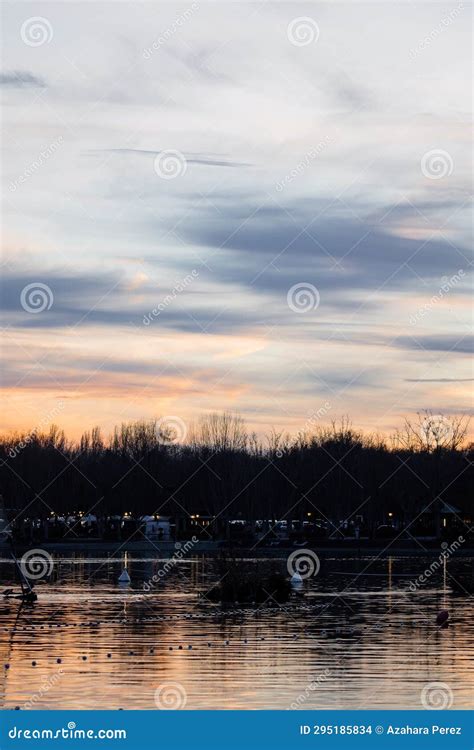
pixel 99 645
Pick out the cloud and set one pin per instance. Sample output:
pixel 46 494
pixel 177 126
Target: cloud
pixel 21 79
pixel 199 62
pixel 112 300
pixel 200 159
pixel 460 344
pixel 352 379
pixel 70 292
pixel 350 95
pixel 272 247
pixel 261 207
pixel 439 380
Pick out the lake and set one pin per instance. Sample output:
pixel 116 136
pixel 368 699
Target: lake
pixel 340 642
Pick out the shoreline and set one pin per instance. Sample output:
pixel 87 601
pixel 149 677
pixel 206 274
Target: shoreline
pixel 167 548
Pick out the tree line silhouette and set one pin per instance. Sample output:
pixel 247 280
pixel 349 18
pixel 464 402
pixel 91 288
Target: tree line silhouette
pixel 223 471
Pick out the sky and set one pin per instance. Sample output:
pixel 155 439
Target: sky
pixel 254 207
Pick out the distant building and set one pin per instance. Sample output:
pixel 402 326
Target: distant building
pixel 156 527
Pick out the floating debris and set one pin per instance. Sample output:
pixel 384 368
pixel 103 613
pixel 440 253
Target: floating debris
pixel 442 617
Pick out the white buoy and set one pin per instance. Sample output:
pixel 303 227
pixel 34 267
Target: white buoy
pixel 296 579
pixel 124 577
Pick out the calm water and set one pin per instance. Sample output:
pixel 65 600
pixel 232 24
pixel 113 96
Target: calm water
pixel 340 645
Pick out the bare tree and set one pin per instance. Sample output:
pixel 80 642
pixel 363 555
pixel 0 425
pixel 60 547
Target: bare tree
pixel 220 432
pixel 432 432
pixel 278 443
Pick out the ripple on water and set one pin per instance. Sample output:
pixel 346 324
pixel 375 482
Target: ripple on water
pixel 376 645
